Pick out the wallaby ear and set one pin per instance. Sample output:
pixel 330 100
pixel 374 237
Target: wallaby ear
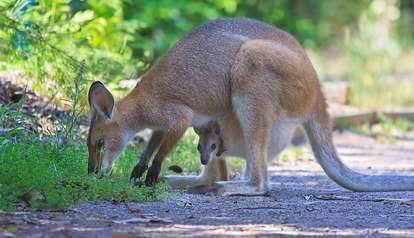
pixel 101 100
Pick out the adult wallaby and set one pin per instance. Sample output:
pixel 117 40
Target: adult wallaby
pixel 241 66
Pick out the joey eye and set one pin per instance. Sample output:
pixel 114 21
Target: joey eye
pixel 198 147
pixel 213 146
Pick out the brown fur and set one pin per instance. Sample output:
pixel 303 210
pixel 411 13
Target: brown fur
pixel 242 73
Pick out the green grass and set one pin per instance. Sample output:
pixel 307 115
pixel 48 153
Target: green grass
pixel 43 175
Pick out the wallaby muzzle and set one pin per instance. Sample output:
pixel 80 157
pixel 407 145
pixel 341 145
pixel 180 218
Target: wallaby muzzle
pixel 205 157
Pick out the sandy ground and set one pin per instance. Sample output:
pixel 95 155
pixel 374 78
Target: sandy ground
pixel 303 202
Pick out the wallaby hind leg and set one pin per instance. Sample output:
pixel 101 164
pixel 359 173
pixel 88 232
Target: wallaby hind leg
pixel 256 124
pixel 215 170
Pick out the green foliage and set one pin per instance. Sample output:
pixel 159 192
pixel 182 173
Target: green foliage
pixel 59 177
pixel 49 39
pixel 116 39
pixel 387 130
pixel 156 25
pixel 371 53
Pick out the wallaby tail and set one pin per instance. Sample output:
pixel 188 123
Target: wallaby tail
pixel 319 133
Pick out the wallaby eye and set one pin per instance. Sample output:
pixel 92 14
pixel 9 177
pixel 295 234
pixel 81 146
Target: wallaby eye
pixel 213 146
pixel 198 147
pixel 100 142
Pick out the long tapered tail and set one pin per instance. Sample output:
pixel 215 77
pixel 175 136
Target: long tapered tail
pixel 320 136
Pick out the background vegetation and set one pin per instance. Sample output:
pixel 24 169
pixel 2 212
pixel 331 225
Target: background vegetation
pixel 118 40
pixel 61 46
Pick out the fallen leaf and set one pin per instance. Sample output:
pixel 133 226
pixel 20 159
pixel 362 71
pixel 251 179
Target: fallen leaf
pixel 176 169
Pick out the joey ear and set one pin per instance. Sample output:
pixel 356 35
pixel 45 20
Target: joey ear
pixel 101 100
pixel 221 148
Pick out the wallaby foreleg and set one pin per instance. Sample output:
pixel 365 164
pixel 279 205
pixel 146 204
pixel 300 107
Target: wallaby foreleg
pixel 172 136
pixel 142 165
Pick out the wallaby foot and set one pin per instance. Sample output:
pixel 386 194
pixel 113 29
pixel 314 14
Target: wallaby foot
pixel 239 188
pixel 182 182
pixel 152 174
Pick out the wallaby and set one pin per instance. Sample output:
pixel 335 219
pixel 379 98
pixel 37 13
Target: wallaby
pixel 235 66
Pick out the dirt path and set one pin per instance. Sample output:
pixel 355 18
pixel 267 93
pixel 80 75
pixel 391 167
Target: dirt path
pixel 303 202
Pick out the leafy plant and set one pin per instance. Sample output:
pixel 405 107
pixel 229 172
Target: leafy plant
pixel 371 53
pixel 52 41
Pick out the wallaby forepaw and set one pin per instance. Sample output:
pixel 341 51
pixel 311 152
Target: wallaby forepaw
pixel 137 172
pixel 152 175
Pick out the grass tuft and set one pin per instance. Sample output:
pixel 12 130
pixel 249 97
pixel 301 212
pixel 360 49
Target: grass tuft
pixel 40 175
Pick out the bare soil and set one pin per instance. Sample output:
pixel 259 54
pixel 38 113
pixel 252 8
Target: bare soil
pixel 303 202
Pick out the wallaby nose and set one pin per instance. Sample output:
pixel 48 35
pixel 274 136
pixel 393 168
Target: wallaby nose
pixel 204 159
